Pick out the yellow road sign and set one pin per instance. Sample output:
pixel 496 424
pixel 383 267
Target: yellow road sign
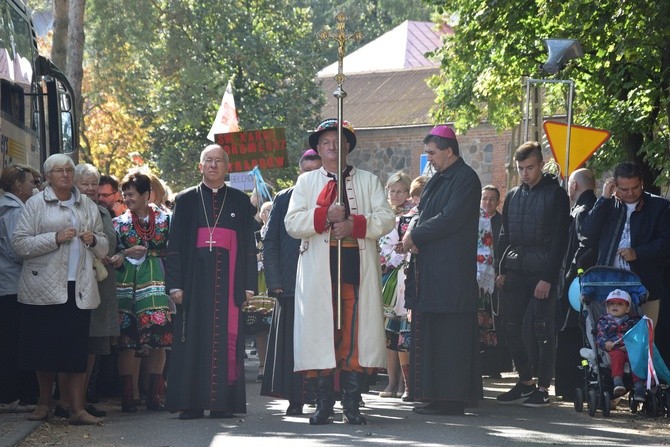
pixel 584 141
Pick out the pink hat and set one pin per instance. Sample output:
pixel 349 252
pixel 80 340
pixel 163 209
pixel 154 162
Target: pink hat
pixel 443 131
pixel 309 153
pixel 618 295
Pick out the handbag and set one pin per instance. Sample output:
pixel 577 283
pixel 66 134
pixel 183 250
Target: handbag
pixel 99 269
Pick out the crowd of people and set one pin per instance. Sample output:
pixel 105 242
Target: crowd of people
pixel 424 278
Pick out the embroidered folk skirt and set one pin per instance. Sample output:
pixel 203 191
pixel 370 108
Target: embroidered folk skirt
pixel 144 308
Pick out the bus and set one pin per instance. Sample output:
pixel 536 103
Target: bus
pixel 37 113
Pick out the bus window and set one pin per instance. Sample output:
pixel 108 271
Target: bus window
pixel 12 101
pixel 66 123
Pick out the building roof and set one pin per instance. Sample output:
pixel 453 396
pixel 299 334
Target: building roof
pixel 383 99
pixel 402 47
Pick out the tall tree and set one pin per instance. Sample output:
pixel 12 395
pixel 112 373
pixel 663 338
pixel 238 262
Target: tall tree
pixel 75 59
pixel 622 83
pixel 60 35
pixel 169 62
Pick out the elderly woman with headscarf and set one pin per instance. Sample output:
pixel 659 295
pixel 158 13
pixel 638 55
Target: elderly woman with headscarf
pixel 58 235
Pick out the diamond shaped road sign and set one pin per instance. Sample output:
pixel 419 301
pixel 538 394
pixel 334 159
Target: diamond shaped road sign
pixel 584 141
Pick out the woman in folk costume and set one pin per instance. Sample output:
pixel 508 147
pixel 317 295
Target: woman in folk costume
pixel 392 261
pixel 144 308
pixel 314 217
pixel 486 280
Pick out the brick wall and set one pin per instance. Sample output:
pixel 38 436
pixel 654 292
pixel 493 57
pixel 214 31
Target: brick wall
pixel 385 151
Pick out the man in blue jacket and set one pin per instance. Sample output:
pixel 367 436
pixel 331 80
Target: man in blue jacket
pixel 632 228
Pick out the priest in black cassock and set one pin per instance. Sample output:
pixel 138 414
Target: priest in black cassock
pixel 210 270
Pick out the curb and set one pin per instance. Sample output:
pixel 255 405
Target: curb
pixel 21 430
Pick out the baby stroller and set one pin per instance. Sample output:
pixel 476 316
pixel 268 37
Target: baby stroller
pixel 589 300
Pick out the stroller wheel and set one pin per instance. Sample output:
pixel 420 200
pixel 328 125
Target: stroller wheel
pixel 666 403
pixel 607 404
pixel 652 404
pixel 592 402
pixel 633 405
pixel 579 400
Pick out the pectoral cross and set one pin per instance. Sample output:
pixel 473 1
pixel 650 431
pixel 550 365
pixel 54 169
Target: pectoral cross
pixel 210 242
pixel 341 38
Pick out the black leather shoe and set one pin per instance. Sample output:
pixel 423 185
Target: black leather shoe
pixel 92 398
pixel 61 412
pixel 221 415
pixel 441 409
pixel 294 409
pixel 95 412
pixel 191 414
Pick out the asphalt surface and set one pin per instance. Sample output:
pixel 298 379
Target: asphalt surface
pixel 390 422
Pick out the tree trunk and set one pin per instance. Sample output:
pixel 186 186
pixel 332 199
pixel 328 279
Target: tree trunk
pixel 59 44
pixel 75 55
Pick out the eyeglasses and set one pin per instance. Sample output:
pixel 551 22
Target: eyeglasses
pixel 106 194
pixel 60 171
pixel 213 161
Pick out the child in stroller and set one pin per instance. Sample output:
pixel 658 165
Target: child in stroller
pixel 611 328
pixel 588 298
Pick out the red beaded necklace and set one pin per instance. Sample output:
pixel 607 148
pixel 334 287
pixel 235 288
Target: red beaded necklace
pixel 146 234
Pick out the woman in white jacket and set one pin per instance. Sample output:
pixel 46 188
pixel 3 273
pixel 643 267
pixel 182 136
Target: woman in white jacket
pixel 57 236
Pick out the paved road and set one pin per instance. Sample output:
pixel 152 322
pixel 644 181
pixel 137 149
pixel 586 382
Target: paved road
pixel 391 422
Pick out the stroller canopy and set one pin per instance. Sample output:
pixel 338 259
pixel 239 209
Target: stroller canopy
pixel 597 282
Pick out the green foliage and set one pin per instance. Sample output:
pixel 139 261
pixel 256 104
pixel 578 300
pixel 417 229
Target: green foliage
pixel 169 62
pixel 622 83
pixel 372 18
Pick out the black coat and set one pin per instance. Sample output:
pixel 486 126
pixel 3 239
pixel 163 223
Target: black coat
pixel 280 251
pixel 446 235
pixel 181 261
pixel 579 255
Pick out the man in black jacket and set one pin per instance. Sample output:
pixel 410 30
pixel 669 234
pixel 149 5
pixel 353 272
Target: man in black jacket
pixel 532 242
pixel 581 187
pixel 632 229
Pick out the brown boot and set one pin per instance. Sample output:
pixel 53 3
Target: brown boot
pixel 156 393
pixel 127 402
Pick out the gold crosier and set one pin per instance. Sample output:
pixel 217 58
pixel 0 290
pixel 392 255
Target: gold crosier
pixel 341 38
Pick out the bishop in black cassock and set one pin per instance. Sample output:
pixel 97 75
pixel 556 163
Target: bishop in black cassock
pixel 212 259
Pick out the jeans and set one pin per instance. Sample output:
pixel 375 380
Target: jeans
pixel 517 296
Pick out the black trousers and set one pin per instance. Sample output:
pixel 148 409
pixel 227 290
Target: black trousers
pixel 517 298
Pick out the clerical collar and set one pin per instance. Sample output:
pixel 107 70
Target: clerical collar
pixel 214 190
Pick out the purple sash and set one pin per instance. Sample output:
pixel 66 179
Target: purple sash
pixel 226 239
